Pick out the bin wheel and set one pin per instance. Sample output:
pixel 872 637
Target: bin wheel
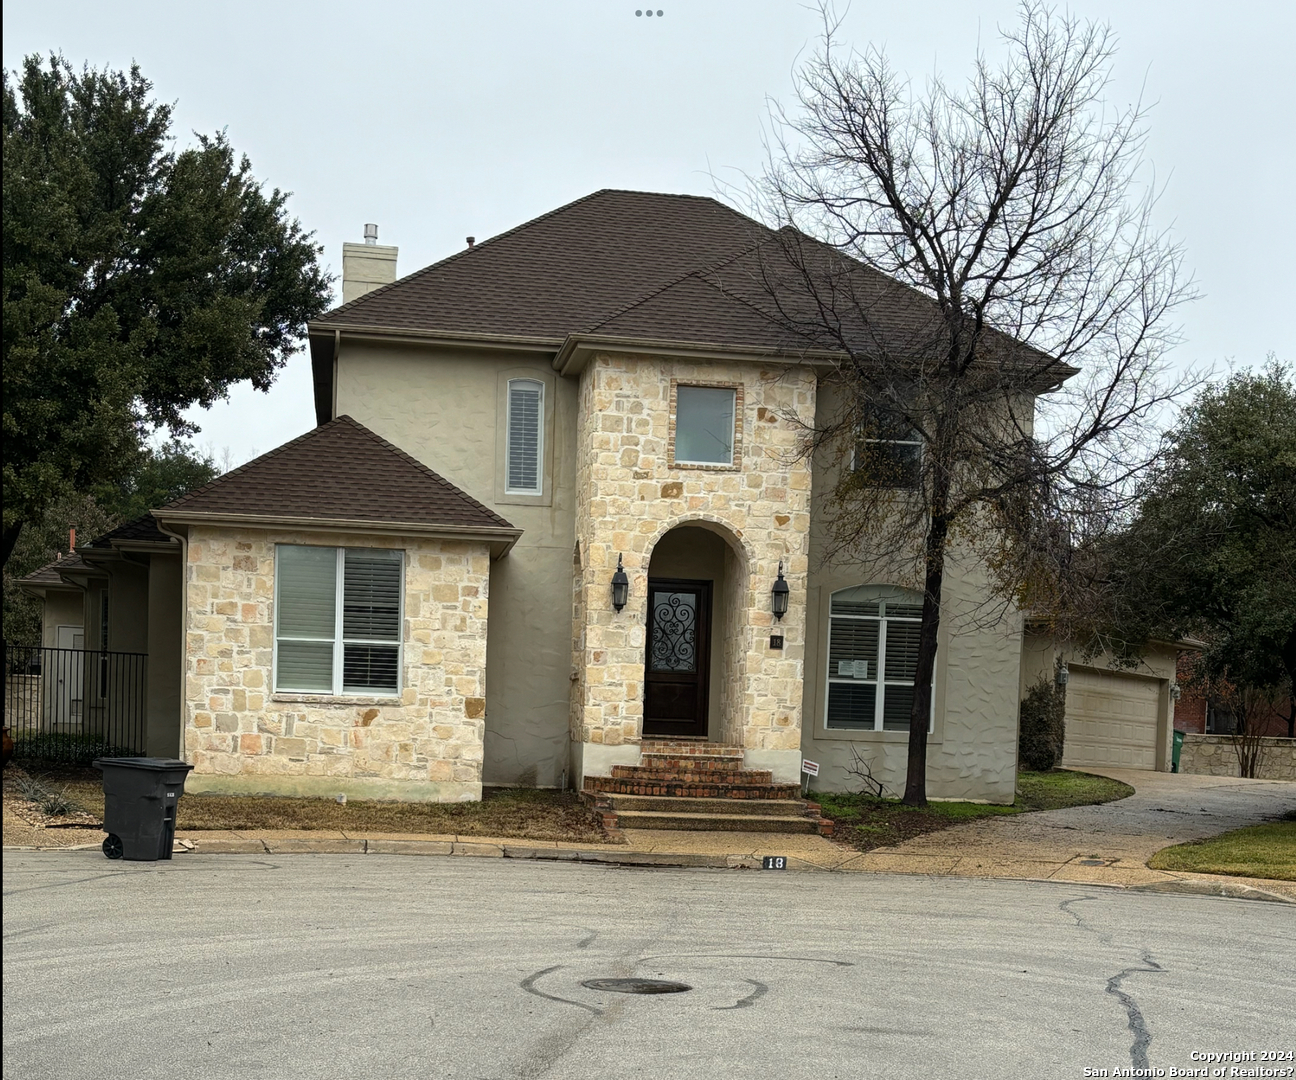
pixel 112 846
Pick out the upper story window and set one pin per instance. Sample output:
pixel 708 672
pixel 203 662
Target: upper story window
pixel 524 449
pixel 704 425
pixel 872 658
pixel 338 620
pixel 888 452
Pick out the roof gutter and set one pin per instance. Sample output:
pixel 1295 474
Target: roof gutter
pixel 500 538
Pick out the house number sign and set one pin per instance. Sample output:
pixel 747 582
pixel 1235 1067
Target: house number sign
pixel 774 862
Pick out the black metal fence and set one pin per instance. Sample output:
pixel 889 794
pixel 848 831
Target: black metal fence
pixel 74 705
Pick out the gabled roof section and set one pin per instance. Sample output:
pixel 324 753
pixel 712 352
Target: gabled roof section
pixel 340 472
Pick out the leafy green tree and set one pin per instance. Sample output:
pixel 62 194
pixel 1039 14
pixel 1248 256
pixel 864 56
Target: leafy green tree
pixel 138 279
pixel 157 475
pixel 1212 551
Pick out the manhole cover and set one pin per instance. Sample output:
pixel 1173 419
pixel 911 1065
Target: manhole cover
pixel 637 986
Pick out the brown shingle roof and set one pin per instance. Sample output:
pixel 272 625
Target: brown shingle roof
pixel 142 529
pixel 50 573
pixel 563 272
pixel 338 471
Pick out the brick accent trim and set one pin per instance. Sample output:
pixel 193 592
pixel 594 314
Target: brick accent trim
pixel 736 466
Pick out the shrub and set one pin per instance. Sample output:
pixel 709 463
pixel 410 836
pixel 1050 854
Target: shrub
pixel 1042 728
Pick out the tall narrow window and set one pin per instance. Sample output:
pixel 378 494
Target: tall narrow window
pixel 872 658
pixel 525 443
pixel 338 620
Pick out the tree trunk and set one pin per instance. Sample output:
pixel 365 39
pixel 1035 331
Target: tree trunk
pixel 10 539
pixel 933 579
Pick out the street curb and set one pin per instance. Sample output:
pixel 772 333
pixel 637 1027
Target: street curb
pixel 614 857
pixel 1231 889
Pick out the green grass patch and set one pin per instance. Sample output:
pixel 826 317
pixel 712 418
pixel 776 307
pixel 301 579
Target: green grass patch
pixel 528 813
pixel 1259 851
pixel 866 822
pixel 1060 788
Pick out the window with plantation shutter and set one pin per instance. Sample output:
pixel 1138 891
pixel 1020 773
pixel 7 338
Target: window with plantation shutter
pixel 338 620
pixel 872 658
pixel 524 444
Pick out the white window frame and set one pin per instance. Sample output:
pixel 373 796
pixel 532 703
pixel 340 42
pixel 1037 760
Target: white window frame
pixel 509 489
pixel 733 434
pixel 916 441
pixel 879 679
pixel 339 642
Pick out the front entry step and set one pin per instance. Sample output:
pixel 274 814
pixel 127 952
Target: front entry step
pixel 700 785
pixel 644 819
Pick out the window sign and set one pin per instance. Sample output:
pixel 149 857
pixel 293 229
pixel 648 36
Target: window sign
pixel 872 658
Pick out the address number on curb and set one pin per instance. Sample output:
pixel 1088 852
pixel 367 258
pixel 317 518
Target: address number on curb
pixel 774 862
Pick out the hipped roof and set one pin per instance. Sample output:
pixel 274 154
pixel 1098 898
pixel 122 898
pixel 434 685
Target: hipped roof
pixel 337 474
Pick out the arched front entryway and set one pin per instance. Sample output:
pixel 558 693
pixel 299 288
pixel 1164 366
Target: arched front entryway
pixel 693 658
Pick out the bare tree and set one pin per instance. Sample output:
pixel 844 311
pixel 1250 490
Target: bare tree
pixel 979 267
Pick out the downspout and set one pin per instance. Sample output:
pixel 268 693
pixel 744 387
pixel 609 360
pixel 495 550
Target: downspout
pixel 184 631
pixel 337 354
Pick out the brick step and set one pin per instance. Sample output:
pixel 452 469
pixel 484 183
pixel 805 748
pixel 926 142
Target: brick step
pixel 688 788
pixel 670 761
pixel 650 819
pixel 692 805
pixel 693 776
pixel 690 749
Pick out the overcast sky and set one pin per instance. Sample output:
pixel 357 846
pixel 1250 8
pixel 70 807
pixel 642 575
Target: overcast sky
pixel 441 120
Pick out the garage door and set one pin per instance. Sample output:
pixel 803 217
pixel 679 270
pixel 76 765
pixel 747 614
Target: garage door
pixel 1111 719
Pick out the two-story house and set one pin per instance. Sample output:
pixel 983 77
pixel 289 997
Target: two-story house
pixel 555 506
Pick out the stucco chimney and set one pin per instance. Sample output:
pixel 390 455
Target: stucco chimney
pixel 366 266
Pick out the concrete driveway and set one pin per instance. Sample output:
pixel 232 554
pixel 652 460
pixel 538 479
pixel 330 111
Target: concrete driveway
pixel 1110 843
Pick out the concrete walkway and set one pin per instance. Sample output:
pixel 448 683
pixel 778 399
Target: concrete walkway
pixel 1101 845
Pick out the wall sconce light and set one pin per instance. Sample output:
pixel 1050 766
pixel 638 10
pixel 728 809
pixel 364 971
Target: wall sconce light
pixel 1062 675
pixel 1176 691
pixel 620 586
pixel 779 595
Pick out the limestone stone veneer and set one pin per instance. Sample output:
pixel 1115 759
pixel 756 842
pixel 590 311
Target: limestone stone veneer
pixel 242 737
pixel 630 493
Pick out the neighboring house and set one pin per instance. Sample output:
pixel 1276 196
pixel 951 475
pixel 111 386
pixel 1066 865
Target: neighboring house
pixel 417 597
pixel 1198 714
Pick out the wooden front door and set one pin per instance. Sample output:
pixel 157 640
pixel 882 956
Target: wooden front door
pixel 678 657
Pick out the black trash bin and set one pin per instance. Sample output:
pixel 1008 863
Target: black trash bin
pixel 140 798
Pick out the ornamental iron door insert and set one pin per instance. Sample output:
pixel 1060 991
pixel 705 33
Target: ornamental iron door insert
pixel 677 660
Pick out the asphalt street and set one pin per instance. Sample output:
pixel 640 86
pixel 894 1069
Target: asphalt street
pixel 323 966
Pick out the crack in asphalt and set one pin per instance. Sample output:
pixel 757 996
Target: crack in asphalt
pixel 1137 1022
pixel 1137 1025
pixel 528 984
pixel 751 999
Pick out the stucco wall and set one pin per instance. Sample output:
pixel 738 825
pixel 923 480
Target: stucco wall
pixel 972 749
pixel 446 409
pixel 1214 755
pixel 242 737
pixel 972 745
pixel 62 607
pixel 165 635
pixel 630 495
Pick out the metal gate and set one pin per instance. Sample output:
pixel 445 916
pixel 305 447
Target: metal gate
pixel 74 705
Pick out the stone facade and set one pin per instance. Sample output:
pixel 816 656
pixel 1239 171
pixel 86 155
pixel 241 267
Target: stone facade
pixel 242 737
pixel 630 493
pixel 1213 755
